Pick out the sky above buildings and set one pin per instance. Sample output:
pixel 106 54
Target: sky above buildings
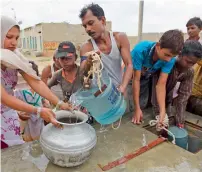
pixel 159 15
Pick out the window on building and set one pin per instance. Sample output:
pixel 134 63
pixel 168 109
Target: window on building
pixel 40 43
pixel 30 41
pixel 35 44
pixel 20 42
pixel 28 46
pixel 24 43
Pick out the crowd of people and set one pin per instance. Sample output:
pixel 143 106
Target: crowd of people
pixel 164 74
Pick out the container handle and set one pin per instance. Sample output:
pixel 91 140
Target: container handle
pixel 115 128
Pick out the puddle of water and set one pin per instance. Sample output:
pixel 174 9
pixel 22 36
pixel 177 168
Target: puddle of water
pixel 24 158
pixel 35 149
pixel 144 141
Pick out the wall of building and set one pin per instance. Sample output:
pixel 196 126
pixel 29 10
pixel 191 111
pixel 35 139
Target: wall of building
pixel 54 33
pixel 145 36
pixel 32 38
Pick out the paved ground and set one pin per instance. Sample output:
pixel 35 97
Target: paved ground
pixel 111 145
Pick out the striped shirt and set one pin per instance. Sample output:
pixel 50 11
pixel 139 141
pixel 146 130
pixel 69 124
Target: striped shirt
pixel 185 80
pixel 197 88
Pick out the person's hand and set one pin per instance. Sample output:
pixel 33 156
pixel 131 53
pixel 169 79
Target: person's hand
pixel 180 125
pixel 49 117
pixel 121 89
pixel 89 61
pixel 46 103
pixel 137 117
pixel 162 117
pixel 24 116
pixel 66 106
pixel 160 124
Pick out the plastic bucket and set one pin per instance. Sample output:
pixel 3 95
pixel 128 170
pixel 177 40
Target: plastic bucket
pixel 107 106
pixel 181 136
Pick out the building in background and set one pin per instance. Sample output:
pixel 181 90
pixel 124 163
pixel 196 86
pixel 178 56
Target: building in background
pixel 45 37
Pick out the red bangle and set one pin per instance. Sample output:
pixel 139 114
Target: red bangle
pixel 180 125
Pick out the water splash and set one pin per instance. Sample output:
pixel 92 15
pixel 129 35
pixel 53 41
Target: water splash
pixel 35 149
pixel 103 128
pixel 25 151
pixel 76 104
pixel 144 141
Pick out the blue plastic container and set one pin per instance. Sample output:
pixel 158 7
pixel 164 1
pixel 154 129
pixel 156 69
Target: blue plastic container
pixel 108 106
pixel 181 136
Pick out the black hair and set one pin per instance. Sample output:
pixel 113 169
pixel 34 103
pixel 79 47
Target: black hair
pixel 195 21
pixel 17 26
pixel 94 8
pixel 35 67
pixel 173 40
pixel 192 48
pixel 76 56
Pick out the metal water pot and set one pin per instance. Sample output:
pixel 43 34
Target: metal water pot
pixel 72 145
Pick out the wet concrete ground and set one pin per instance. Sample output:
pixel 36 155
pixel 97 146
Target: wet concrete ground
pixel 112 144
